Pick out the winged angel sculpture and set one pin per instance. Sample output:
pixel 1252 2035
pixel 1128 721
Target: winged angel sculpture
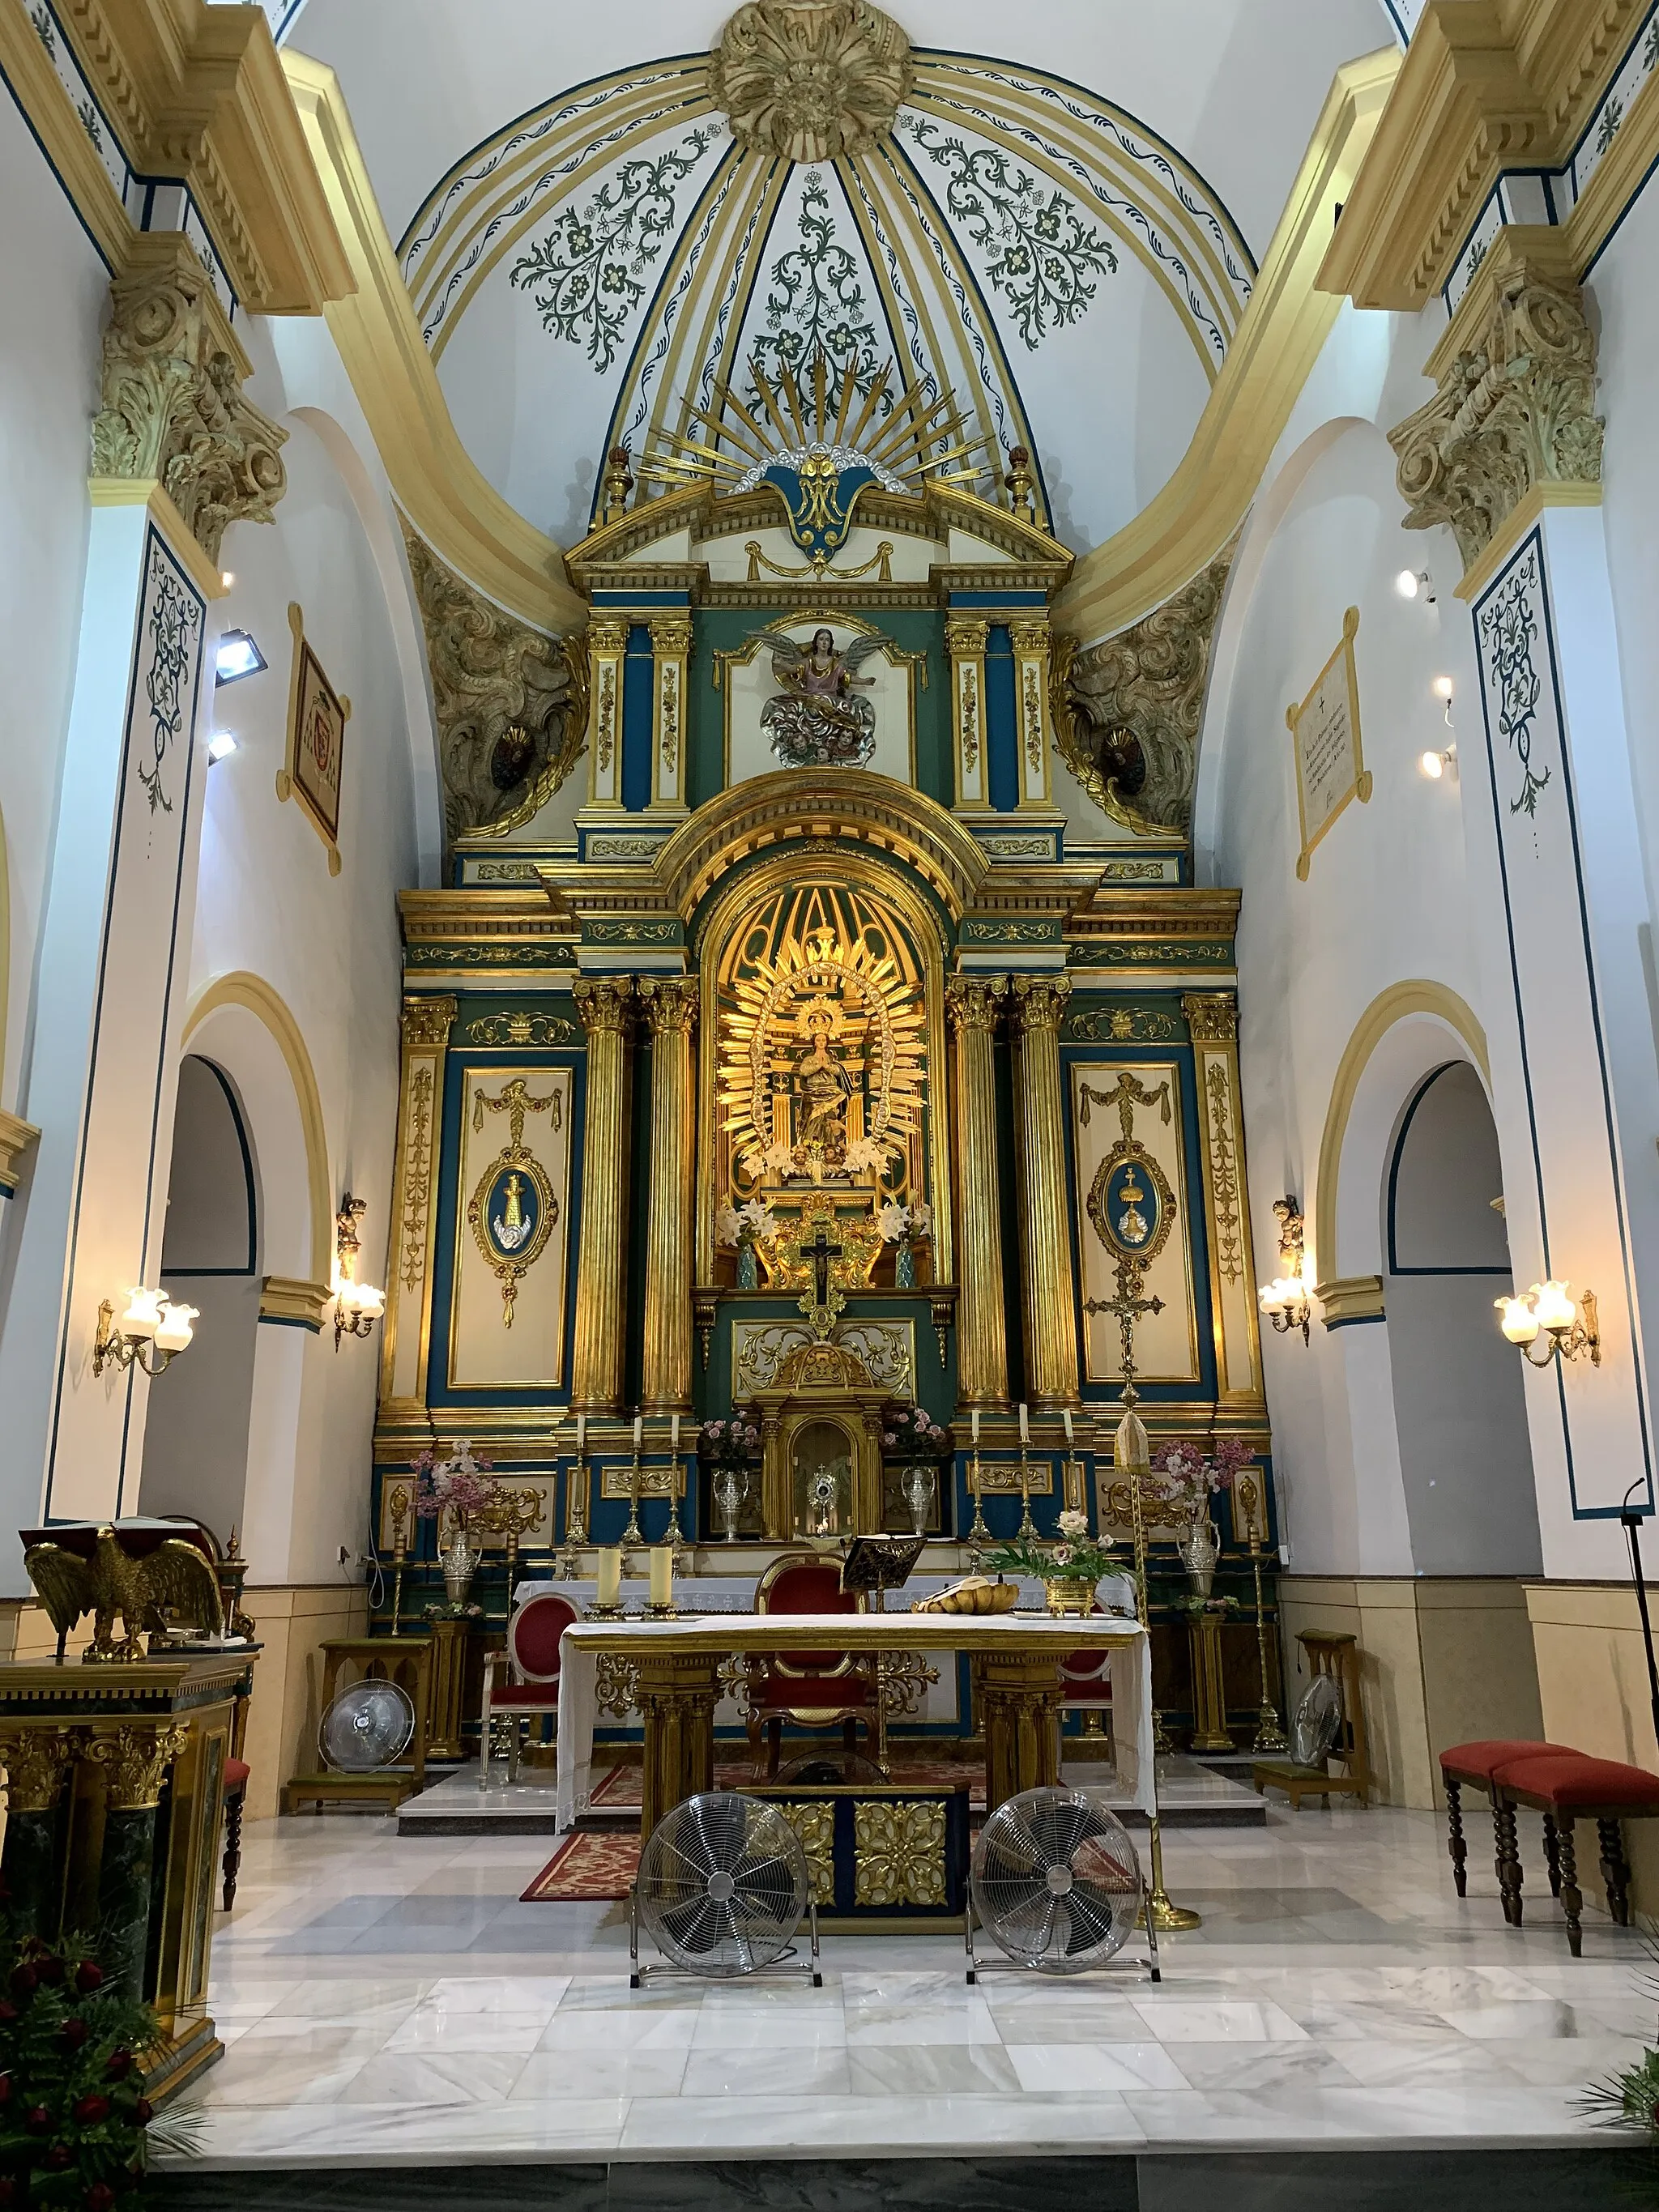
pixel 174 1577
pixel 816 721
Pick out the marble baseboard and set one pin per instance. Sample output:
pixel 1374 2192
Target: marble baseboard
pixel 1492 2180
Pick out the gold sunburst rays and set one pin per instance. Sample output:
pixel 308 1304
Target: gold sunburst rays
pixel 916 441
pixel 819 992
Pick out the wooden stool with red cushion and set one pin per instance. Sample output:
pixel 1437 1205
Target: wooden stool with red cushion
pixel 1472 1764
pixel 813 1689
pixel 1567 1786
pixel 236 1774
pixel 531 1660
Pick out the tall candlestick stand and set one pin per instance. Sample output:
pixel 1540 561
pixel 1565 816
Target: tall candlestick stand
pixel 673 1534
pixel 399 1550
pixel 1028 1528
pixel 1269 1735
pixel 1130 1456
pixel 569 1568
pixel 979 1534
pixel 632 1533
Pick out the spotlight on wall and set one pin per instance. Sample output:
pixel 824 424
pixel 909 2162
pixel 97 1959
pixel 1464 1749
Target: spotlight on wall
pixel 1435 765
pixel 1442 688
pixel 357 1306
pixel 220 745
pixel 1284 1300
pixel 1415 583
pixel 151 1331
pixel 235 656
pixel 1547 1310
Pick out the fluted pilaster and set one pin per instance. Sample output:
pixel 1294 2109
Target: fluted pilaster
pixel 1051 1368
pixel 670 1007
pixel 972 1003
pixel 604 1003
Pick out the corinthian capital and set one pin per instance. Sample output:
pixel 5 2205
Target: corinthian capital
pixel 972 1002
pixel 1512 411
pixel 671 1003
pixel 1040 1001
pixel 173 405
pixel 603 1003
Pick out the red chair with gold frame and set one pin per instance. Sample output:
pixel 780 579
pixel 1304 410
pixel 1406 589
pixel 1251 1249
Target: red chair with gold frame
pixel 1085 1687
pixel 531 1660
pixel 813 1689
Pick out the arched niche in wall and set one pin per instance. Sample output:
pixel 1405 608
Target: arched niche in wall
pixel 1459 1401
pixel 196 1434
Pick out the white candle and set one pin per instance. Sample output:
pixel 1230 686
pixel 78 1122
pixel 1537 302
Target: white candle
pixel 1025 1426
pixel 662 1574
pixel 1066 1416
pixel 609 1587
pixel 639 1429
pixel 674 1434
pixel 581 1432
pixel 975 1419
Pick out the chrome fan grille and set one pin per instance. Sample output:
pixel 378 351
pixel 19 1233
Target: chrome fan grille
pixel 722 1884
pixel 1056 1880
pixel 366 1727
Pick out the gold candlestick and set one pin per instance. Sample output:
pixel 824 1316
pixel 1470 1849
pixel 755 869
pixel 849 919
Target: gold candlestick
pixel 673 1534
pixel 569 1567
pixel 1269 1735
pixel 632 1533
pixel 1028 1528
pixel 399 1504
pixel 979 1534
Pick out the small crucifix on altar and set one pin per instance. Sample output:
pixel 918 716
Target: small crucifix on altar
pixel 821 1304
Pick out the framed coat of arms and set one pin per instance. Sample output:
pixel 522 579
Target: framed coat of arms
pixel 317 718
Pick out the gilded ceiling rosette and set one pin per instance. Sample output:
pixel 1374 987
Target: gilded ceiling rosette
pixel 810 80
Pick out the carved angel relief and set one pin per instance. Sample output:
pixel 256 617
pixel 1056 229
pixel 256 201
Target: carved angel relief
pixel 816 720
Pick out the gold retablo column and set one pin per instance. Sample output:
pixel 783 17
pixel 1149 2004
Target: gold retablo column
pixel 1051 1371
pixel 603 1003
pixel 966 637
pixel 607 647
pixel 972 1003
pixel 406 1332
pixel 670 1007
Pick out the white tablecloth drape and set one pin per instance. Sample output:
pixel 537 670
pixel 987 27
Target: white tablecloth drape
pixel 1132 1679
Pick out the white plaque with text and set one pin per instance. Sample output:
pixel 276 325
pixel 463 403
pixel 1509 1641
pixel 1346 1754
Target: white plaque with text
pixel 1325 734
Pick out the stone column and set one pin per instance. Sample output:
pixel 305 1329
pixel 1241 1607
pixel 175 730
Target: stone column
pixel 177 454
pixel 603 1002
pixel 670 1007
pixel 607 644
pixel 36 1760
pixel 1031 646
pixel 972 1003
pixel 406 1331
pixel 965 636
pixel 135 1757
pixel 1051 1371
pixel 671 652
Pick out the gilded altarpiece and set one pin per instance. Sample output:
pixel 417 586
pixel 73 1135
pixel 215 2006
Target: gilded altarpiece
pixel 1130 1201
pixel 511 1200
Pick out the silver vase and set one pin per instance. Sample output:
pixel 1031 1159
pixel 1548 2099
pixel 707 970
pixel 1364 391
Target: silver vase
pixel 459 1563
pixel 1198 1549
pixel 919 1495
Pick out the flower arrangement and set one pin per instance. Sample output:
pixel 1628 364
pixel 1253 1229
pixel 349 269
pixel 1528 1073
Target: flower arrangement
pixel 74 2124
pixel 908 1227
pixel 910 1432
pixel 454 1609
pixel 1077 1557
pixel 741 1229
pixel 1188 1477
pixel 458 1484
pixel 731 1443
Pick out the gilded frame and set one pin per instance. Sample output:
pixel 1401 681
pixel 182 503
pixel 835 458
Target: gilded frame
pixel 464 1234
pixel 744 656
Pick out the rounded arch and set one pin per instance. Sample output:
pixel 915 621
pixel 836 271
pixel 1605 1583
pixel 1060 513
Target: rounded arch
pixel 1430 1009
pixel 252 994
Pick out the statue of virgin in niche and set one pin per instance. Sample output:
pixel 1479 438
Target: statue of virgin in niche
pixel 816 721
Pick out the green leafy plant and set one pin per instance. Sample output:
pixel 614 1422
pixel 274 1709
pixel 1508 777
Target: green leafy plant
pixel 75 2126
pixel 1077 1556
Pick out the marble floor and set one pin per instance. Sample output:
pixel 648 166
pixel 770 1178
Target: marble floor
pixel 387 1999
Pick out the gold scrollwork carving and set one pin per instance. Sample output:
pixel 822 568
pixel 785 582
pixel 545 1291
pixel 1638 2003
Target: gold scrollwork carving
pixel 428 1021
pixel 616 1685
pixel 519 1027
pixel 135 1757
pixel 1211 1017
pixel 898 1853
pixel 1122 1025
pixel 1223 1176
pixel 815 1826
pixel 36 1760
pixel 810 80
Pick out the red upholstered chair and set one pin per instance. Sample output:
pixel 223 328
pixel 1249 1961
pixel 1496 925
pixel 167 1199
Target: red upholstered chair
pixel 1567 1786
pixel 813 1689
pixel 1472 1766
pixel 532 1664
pixel 1086 1677
pixel 236 1774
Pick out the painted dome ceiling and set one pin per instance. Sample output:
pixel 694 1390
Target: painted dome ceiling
pixel 623 225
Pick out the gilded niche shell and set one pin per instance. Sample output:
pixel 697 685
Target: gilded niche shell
pixel 809 79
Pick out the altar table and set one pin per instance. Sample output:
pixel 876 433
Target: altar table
pixel 1016 1683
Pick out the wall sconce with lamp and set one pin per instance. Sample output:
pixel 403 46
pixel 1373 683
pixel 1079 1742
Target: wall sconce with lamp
pixel 1547 1310
pixel 357 1306
pixel 151 1331
pixel 1285 1300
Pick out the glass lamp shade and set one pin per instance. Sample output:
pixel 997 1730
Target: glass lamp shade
pixel 371 1302
pixel 143 1316
pixel 1519 1323
pixel 1554 1308
pixel 174 1331
pixel 1270 1297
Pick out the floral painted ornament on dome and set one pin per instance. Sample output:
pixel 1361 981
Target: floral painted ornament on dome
pixel 808 80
